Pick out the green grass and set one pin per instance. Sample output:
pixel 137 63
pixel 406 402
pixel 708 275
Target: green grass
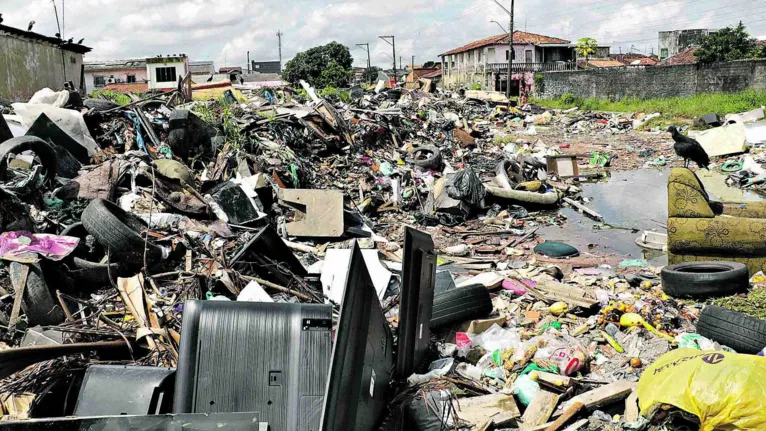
pixel 683 107
pixel 114 96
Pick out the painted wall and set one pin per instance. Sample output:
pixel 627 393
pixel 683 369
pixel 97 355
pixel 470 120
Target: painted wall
pixel 27 66
pixel 152 64
pixel 120 77
pixel 655 82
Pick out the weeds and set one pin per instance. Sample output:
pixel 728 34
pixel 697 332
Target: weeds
pixel 684 107
pixel 114 96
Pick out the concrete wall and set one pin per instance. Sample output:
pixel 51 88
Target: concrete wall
pixel 653 82
pixel 120 77
pixel 677 40
pixel 27 66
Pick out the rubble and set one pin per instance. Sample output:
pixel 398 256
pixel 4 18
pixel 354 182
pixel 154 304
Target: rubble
pixel 119 220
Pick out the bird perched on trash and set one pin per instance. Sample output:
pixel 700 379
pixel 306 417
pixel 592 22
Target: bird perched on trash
pixel 71 39
pixel 79 42
pixel 689 149
pixel 1 18
pixel 58 35
pixel 31 24
pixel 210 79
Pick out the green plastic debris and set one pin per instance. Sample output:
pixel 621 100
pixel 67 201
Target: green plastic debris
pixel 387 169
pixel 554 325
pixel 598 159
pixel 633 263
pixel 732 166
pixel 54 204
pixel 294 173
pixel 534 367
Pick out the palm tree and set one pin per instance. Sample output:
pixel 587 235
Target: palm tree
pixel 586 47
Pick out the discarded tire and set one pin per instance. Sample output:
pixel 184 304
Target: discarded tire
pixel 94 272
pixel 432 160
pixel 37 303
pixel 703 279
pixel 742 333
pixel 119 232
pixel 44 152
pixel 460 304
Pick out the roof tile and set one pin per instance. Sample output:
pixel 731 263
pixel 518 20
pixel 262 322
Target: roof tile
pixel 519 37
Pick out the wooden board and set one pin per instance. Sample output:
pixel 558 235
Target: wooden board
pixel 540 409
pixel 631 407
pixel 498 408
pixel 323 212
pixel 602 396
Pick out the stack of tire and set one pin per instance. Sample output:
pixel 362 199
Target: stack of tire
pixel 741 332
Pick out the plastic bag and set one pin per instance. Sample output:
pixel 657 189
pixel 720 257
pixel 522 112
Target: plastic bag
pixel 496 338
pixel 466 186
pixel 725 390
pixel 565 352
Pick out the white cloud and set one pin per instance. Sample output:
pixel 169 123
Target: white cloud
pixel 224 30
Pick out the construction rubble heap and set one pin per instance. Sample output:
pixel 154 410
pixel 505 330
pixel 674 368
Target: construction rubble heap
pixel 371 260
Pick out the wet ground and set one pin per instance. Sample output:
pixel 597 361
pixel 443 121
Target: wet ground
pixel 631 202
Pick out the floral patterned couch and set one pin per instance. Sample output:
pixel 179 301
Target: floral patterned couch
pixel 700 229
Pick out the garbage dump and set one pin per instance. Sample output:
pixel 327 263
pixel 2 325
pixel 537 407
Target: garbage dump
pixel 362 262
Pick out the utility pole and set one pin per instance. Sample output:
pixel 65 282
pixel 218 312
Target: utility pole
pixel 413 63
pixel 366 47
pixel 279 36
pixel 248 62
pixel 393 45
pixel 510 41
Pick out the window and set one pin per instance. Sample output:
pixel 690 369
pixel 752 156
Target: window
pixel 479 55
pixel 664 53
pixel 257 66
pixel 131 79
pixel 166 74
pixel 99 81
pixel 508 53
pixel 528 56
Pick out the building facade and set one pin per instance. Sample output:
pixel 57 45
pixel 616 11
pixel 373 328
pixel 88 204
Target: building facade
pixel 485 61
pixel 205 68
pixel 675 41
pixel 164 72
pixel 267 66
pixel 31 61
pixel 99 74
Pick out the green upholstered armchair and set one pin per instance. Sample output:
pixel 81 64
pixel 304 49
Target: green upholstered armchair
pixel 699 229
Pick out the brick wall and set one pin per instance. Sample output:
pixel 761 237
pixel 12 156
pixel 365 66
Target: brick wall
pixel 653 82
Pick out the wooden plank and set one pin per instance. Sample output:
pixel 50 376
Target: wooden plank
pixel 132 292
pixel 540 409
pixel 601 396
pixel 16 309
pixel 631 407
pixel 500 408
pixel 564 418
pixel 555 380
pixel 583 208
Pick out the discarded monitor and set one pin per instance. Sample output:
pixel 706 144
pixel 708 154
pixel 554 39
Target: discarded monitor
pixel 417 299
pixel 255 357
pixel 270 255
pixel 142 391
pixel 362 359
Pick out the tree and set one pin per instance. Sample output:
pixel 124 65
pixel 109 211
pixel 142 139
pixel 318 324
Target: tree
pixel 320 64
pixel 728 44
pixel 371 74
pixel 333 75
pixel 586 47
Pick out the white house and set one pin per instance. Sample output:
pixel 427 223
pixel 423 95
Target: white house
pixel 485 61
pixel 164 72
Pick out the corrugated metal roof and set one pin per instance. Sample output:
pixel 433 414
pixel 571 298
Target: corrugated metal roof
pixel 519 37
pixel 98 66
pixel 73 47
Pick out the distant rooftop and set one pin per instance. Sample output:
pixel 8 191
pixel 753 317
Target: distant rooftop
pixel 73 47
pixel 98 66
pixel 519 37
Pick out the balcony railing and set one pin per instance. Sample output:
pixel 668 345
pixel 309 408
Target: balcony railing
pixel 533 67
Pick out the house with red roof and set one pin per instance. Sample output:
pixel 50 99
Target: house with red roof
pixel 485 61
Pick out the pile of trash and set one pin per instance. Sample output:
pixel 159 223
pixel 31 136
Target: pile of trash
pixel 155 237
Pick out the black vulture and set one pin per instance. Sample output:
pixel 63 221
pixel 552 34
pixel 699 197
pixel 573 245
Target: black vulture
pixel 689 149
pixel 58 35
pixel 1 18
pixel 71 39
pixel 81 41
pixel 210 79
pixel 31 24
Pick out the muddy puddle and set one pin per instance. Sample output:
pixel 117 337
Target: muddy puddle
pixel 631 200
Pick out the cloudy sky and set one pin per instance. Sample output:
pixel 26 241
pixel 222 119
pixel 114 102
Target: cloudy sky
pixel 224 30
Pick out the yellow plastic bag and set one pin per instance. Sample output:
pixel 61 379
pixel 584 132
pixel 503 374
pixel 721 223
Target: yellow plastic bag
pixel 727 391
